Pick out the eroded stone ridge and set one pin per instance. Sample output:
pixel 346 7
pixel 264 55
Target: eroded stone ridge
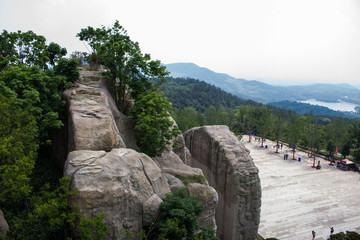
pixel 230 170
pixel 126 185
pixel 110 176
pixel 94 120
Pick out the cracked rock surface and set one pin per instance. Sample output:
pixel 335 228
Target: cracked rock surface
pixel 128 186
pixel 231 171
pixel 110 176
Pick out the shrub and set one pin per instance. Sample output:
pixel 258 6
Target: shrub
pixel 67 68
pixel 178 219
pixel 153 125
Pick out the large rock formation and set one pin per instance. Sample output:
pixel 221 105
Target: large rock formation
pixel 112 177
pixel 128 186
pixel 4 227
pixel 230 170
pixel 94 120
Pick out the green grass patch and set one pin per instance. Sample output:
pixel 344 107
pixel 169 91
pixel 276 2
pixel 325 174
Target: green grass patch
pixel 94 93
pixel 192 179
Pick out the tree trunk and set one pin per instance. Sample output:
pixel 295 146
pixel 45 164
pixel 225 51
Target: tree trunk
pixel 293 158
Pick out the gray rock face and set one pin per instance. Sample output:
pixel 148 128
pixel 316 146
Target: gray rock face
pixel 94 121
pixel 230 170
pixel 128 186
pixel 4 227
pixel 207 196
pixel 109 175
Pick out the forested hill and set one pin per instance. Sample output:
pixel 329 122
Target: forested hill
pixel 265 93
pixel 190 92
pixel 305 108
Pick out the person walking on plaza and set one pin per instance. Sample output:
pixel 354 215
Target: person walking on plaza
pixel 313 234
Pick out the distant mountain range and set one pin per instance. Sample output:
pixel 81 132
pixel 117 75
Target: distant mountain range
pixel 265 93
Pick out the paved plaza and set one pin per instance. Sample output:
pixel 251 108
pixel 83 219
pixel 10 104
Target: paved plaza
pixel 297 198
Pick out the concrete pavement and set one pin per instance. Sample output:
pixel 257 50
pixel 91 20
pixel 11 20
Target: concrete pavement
pixel 297 198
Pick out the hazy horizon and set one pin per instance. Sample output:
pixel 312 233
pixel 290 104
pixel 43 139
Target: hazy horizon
pixel 274 41
pixel 273 82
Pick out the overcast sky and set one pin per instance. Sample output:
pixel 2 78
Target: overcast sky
pixel 283 41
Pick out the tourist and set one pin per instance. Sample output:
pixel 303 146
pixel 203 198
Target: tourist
pixel 318 166
pixel 313 234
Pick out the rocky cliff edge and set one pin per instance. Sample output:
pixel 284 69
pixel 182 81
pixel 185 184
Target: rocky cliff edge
pixel 230 170
pixel 110 176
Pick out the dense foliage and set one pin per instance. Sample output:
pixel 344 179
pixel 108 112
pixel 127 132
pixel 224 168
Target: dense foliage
pixel 17 152
pixel 264 93
pixel 178 219
pixel 122 57
pixel 38 92
pixel 199 95
pixel 17 48
pixel 304 108
pixel 345 236
pixel 34 199
pixel 133 74
pixel 152 116
pixel 315 133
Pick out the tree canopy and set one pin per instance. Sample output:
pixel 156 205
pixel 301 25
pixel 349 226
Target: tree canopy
pixel 134 75
pixel 126 64
pixel 31 105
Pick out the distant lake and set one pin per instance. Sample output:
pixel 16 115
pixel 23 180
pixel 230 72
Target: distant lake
pixel 337 106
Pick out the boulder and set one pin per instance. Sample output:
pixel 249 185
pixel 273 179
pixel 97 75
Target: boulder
pixel 179 148
pixel 171 163
pixel 110 176
pixel 207 196
pixel 174 182
pixel 230 170
pixel 4 227
pixel 174 169
pixel 126 185
pixel 151 208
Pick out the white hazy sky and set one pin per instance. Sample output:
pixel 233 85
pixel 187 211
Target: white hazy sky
pixel 279 41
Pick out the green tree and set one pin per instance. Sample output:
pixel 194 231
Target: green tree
pixel 153 124
pixel 125 63
pixel 188 118
pixel 345 236
pixel 49 216
pixel 278 123
pixel 79 56
pixel 55 52
pixel 346 147
pixel 336 134
pixel 312 135
pixel 354 138
pixel 67 68
pixel 244 121
pixel 17 152
pixel 262 118
pixel 37 92
pixel 294 128
pixel 178 218
pixel 23 48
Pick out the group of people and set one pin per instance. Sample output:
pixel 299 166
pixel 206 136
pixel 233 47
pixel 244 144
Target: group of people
pixel 314 233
